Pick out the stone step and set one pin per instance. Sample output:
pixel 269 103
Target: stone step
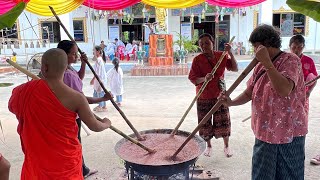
pixel 174 70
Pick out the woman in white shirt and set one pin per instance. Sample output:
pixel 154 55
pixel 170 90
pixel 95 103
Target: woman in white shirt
pixel 115 80
pixel 99 68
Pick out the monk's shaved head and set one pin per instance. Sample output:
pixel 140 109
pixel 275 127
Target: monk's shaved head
pixel 54 63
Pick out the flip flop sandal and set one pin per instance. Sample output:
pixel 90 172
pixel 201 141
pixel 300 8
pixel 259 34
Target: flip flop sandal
pixel 96 108
pixel 91 172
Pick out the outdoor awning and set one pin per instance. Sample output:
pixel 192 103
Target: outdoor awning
pixel 234 3
pixel 41 7
pixel 111 5
pixel 173 3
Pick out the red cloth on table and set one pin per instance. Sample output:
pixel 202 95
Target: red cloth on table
pixel 48 133
pixel 201 67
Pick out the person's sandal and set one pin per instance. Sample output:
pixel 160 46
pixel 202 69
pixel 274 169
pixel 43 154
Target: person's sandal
pixel 227 152
pixel 91 172
pixel 102 110
pixel 315 160
pixel 96 108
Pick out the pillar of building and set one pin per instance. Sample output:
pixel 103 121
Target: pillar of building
pixel 173 25
pixel 266 13
pixel 67 21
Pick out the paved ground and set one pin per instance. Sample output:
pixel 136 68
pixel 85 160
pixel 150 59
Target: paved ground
pixel 159 102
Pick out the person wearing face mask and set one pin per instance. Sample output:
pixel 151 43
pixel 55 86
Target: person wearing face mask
pixel 202 65
pixel 279 122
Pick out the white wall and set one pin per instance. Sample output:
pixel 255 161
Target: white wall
pixel 173 25
pixel 241 27
pixel 265 13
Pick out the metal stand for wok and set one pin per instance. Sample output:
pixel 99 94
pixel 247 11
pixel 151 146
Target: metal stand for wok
pixel 132 173
pixel 164 172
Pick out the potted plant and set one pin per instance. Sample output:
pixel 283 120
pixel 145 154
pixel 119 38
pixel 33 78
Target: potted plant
pixel 186 44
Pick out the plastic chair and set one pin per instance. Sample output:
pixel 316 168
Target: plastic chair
pixel 120 52
pixel 133 53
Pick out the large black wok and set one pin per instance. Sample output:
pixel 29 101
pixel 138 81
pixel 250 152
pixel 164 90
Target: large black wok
pixel 162 170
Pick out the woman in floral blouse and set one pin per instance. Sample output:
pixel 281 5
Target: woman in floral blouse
pixel 276 90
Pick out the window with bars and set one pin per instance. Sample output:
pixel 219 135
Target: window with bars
pixel 51 30
pixel 290 24
pixel 79 30
pixel 11 33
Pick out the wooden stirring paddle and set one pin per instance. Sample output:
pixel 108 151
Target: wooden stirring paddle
pixel 204 85
pixel 97 77
pixel 253 63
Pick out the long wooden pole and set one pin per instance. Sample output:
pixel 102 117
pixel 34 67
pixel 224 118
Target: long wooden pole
pixel 309 83
pixel 97 77
pixel 28 73
pixel 84 127
pixel 127 137
pixel 204 85
pixel 253 63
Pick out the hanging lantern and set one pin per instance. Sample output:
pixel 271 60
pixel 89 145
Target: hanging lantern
pixel 128 18
pixel 199 18
pixel 44 44
pixel 38 44
pixel 26 45
pixel 203 14
pixel 144 11
pixel 125 16
pixel 222 14
pixel 217 17
pixel 234 12
pixel 31 44
pixel 243 12
pixel 182 13
pixel 115 17
pixel 205 6
pixel 1 46
pixel 192 18
pixel 131 19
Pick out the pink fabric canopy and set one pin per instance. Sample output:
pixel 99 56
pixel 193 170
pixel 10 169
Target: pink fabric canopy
pixel 234 3
pixel 109 4
pixel 7 5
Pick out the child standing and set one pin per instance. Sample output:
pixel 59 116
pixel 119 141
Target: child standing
pixel 14 57
pixel 115 80
pixel 99 68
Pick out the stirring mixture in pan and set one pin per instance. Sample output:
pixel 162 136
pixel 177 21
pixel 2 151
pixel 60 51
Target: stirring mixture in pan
pixel 165 146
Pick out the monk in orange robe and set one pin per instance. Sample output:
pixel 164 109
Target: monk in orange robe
pixel 46 110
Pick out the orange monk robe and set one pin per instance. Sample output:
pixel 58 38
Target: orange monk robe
pixel 48 134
